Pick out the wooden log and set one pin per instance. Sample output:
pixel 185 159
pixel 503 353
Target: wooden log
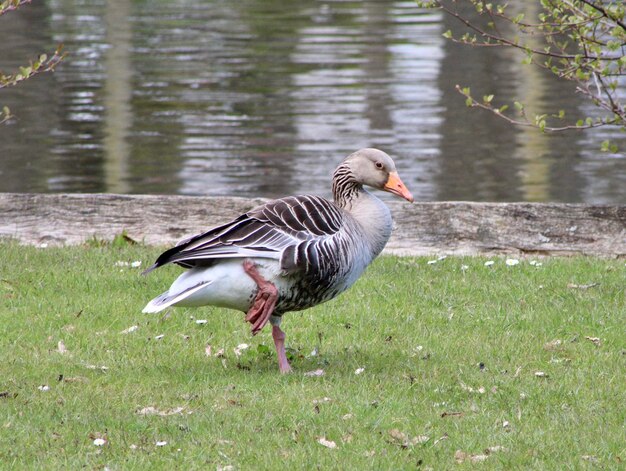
pixel 421 228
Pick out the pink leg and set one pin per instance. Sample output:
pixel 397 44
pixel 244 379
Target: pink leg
pixel 265 300
pixel 279 341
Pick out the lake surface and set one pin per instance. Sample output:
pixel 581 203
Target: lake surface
pixel 264 98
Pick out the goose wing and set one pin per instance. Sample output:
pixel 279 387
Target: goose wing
pixel 292 230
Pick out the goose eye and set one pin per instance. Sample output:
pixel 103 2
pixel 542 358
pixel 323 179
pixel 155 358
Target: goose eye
pixel 379 165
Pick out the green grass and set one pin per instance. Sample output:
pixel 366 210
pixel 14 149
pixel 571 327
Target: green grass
pixel 448 353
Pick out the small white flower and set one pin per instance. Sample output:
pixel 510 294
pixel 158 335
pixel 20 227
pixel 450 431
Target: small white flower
pixel 136 264
pixel 240 348
pixel 431 262
pixel 535 263
pixel 464 267
pixel 201 321
pixel 99 441
pixel 488 263
pixel 121 263
pixel 133 447
pixel 358 371
pixel 505 424
pixel 159 337
pixel 163 443
pixel 44 387
pixel 442 257
pixel 511 262
pixel 43 245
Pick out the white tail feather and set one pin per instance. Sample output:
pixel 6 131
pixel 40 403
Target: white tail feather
pixel 166 300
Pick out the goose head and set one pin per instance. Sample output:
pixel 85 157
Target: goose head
pixel 374 168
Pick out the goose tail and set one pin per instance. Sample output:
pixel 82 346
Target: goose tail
pixel 168 299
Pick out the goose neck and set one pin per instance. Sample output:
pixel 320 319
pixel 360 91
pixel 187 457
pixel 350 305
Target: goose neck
pixel 346 189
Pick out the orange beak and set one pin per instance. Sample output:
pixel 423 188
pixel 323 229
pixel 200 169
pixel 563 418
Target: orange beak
pixel 394 185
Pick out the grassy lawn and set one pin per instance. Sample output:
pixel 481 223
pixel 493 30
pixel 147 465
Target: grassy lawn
pixel 425 366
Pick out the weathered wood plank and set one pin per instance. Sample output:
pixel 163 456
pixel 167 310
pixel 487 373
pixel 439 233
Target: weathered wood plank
pixel 421 228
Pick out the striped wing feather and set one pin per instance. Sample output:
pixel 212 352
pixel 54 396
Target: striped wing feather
pixel 295 230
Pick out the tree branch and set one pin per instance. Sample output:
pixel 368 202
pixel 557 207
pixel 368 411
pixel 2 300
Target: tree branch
pixel 473 103
pixel 10 5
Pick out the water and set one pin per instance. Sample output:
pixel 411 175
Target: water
pixel 264 98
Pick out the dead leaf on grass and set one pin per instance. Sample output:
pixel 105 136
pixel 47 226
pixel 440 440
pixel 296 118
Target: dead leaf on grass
pixel 494 449
pixel 552 344
pixel 465 387
pixel 451 414
pixel 322 400
pixel 583 287
pixel 595 340
pixel 318 372
pixel 460 457
pixel 150 410
pixel 327 443
pixel 404 441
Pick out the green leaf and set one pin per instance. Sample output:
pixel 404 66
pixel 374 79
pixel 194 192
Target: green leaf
pixel 607 146
pixel 447 34
pixel 487 98
pixel 518 106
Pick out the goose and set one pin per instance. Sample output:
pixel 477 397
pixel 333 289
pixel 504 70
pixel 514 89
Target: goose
pixel 290 253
